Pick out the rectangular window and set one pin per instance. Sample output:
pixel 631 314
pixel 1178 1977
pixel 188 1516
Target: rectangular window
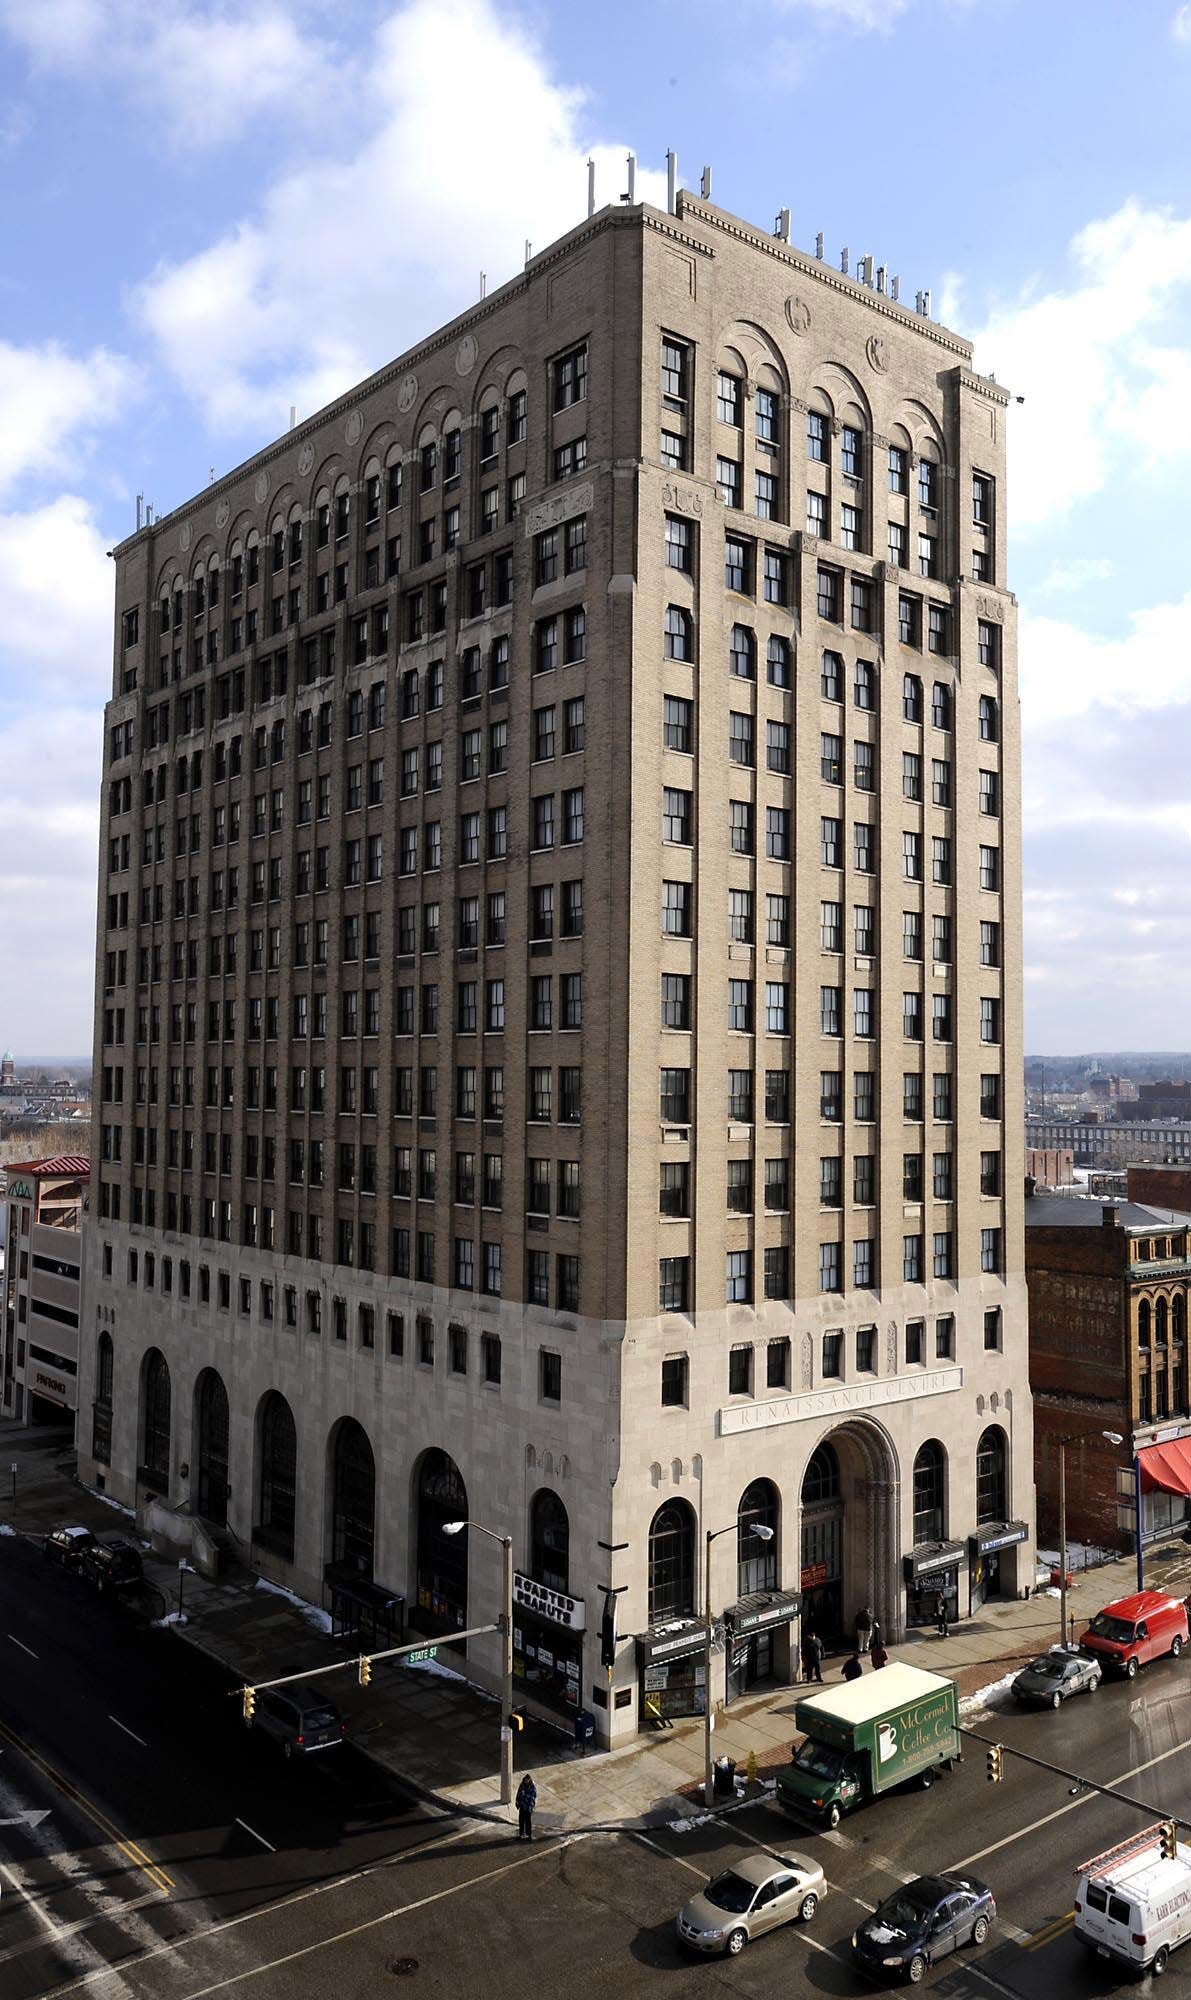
pixel 990 868
pixel 833 1354
pixel 990 1020
pixel 830 1279
pixel 570 378
pixel 676 816
pixel 827 597
pixel 990 1249
pixel 727 481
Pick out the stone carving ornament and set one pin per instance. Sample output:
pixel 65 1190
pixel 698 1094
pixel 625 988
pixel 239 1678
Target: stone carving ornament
pixel 261 489
pixel 877 352
pixel 407 393
pixel 222 514
pixel 798 315
pixel 305 459
pixel 353 429
pixel 466 354
pixel 184 537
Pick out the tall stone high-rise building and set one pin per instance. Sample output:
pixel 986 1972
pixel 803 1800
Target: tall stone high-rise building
pixel 558 996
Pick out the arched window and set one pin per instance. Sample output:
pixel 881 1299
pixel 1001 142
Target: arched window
pixel 353 1501
pixel 101 1409
pixel 549 1541
pixel 671 1563
pixel 779 661
pixel 1160 1321
pixel 213 1428
pixel 990 1475
pixel 930 1488
pixel 1143 1323
pixel 442 1558
pixel 756 1560
pixel 278 1489
pixel 820 1484
pixel 155 1422
pixel 678 644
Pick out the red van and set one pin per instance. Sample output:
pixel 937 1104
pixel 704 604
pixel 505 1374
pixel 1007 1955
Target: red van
pixel 1137 1629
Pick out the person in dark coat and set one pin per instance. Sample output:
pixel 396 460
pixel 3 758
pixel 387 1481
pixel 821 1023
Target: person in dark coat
pixel 864 1629
pixel 852 1668
pixel 527 1799
pixel 877 1653
pixel 812 1657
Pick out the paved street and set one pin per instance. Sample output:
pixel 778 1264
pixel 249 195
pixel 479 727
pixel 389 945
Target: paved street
pixel 146 1831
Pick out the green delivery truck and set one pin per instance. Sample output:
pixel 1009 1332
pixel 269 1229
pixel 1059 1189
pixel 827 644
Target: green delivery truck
pixel 889 1727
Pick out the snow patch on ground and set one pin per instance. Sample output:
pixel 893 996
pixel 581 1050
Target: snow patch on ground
pixel 685 1825
pixel 171 1618
pixel 444 1673
pixel 106 1500
pixel 6 1529
pixel 992 1696
pixel 312 1613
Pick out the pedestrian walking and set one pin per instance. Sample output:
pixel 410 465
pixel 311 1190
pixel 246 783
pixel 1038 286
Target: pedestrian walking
pixel 941 1625
pixel 527 1799
pixel 877 1653
pixel 812 1653
pixel 864 1629
pixel 852 1668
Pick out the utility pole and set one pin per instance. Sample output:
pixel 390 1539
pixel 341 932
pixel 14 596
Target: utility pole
pixel 506 1698
pixel 1063 1443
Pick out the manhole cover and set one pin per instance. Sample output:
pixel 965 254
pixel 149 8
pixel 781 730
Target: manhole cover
pixel 403 1966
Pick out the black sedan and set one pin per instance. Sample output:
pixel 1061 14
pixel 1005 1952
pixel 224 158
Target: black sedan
pixel 921 1923
pixel 113 1564
pixel 1053 1676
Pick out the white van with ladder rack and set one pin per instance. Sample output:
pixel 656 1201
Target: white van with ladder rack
pixel 1133 1902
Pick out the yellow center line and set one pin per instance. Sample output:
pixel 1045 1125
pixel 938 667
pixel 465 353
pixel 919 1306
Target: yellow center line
pixel 1048 1932
pixel 129 1848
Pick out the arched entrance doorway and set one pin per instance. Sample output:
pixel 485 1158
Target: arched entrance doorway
pixel 156 1408
pixel 441 1496
pixel 353 1502
pixel 212 1455
pixel 850 1534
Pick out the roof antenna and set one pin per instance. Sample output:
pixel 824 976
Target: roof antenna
pixel 211 470
pixel 864 271
pixel 293 416
pixel 591 187
pixel 843 260
pixel 895 285
pixel 140 510
pixel 631 162
pixel 528 249
pixel 705 184
pixel 781 227
pixel 819 245
pixel 148 515
pixel 880 277
pixel 671 179
pixel 483 284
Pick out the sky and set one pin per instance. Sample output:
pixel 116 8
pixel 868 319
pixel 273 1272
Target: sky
pixel 212 212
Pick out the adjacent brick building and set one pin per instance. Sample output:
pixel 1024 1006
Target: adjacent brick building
pixel 1109 1285
pixel 559 964
pixel 42 1284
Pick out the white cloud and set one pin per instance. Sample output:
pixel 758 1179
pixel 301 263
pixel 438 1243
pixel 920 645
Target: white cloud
pixel 204 72
pixel 1180 27
pixel 51 402
pixel 868 16
pixel 56 587
pixel 1066 670
pixel 1074 575
pixel 350 258
pixel 1102 387
pixel 48 860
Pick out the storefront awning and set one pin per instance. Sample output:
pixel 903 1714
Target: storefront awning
pixel 993 1535
pixel 762 1610
pixel 1166 1468
pixel 931 1556
pixel 673 1641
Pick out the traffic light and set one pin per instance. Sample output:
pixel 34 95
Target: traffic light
pixel 994 1764
pixel 608 1631
pixel 248 1703
pixel 365 1670
pixel 1168 1840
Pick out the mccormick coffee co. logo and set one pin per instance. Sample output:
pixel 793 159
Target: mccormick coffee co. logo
pixel 552 1604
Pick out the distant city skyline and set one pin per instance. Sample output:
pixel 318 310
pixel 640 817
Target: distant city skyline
pixel 176 279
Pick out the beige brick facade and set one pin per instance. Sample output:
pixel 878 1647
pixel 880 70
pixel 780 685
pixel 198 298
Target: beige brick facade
pixel 698 714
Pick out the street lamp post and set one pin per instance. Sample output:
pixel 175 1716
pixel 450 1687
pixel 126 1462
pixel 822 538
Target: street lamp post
pixel 1115 1437
pixel 763 1533
pixel 506 1698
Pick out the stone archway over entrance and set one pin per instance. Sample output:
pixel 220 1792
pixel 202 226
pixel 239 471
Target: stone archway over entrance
pixel 850 1511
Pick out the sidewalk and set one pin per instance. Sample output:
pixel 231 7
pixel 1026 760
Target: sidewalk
pixel 440 1735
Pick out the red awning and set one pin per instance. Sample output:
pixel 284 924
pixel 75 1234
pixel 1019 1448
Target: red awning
pixel 1166 1468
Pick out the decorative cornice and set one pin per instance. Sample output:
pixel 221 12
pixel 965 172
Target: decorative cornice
pixel 983 385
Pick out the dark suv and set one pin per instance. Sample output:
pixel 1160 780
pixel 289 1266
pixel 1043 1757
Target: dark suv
pixel 300 1719
pixel 113 1564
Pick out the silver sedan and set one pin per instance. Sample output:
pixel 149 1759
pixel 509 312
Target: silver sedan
pixel 756 1894
pixel 1052 1678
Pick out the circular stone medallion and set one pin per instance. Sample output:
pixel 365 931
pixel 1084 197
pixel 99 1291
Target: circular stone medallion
pixel 222 514
pixel 261 489
pixel 798 315
pixel 305 459
pixel 877 354
pixel 353 429
pixel 466 355
pixel 407 393
pixel 184 537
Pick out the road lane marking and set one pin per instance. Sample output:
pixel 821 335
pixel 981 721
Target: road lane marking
pixel 666 1854
pixel 255 1835
pixel 128 1848
pixel 1049 1932
pixel 128 1731
pixel 1023 1832
pixel 24 1648
pixel 373 1923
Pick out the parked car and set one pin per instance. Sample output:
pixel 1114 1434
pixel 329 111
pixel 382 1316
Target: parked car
pixel 1049 1680
pixel 919 1924
pixel 113 1564
pixel 756 1894
pixel 300 1719
pixel 1134 1630
pixel 67 1546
